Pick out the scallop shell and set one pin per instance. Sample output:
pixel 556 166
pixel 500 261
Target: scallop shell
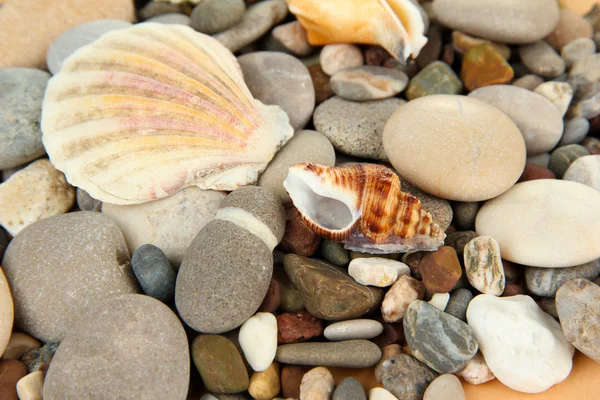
pixel 361 205
pixel 146 111
pixel 395 25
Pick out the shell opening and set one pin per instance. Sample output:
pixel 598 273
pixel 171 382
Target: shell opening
pixel 326 207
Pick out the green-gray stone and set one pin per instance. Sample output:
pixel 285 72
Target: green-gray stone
pixel 563 157
pixel 291 299
pixel 328 291
pixel 546 281
pixel 346 354
pixel 436 78
pixel 349 389
pixel 438 339
pixel 406 377
pixel 335 253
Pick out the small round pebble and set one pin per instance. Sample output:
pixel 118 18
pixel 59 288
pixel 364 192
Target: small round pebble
pixel 440 270
pixel 542 59
pixel 477 371
pixel 577 49
pixel 214 16
pixel 562 158
pixel 377 271
pixel 445 387
pixel 264 385
pixel 154 272
pixel 317 384
pixel 458 303
pixel 483 265
pixel 258 340
pixel 335 253
pixel 585 170
pixel 292 36
pixel 337 57
pixel 402 293
pixel 368 83
pixel 559 93
pixel 349 388
pixel 353 329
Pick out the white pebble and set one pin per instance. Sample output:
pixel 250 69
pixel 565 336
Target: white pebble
pixel 477 371
pixel 258 340
pixel 353 329
pixel 30 386
pixel 377 271
pixel 445 387
pixel 381 394
pixel 440 300
pixel 585 170
pixel 559 93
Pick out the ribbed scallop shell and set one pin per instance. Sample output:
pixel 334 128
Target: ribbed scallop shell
pixel 395 25
pixel 363 206
pixel 146 111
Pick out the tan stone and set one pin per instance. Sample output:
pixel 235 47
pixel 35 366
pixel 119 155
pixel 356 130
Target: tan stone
pixel 7 313
pixel 265 385
pixel 317 384
pixel 403 292
pixel 336 57
pixel 19 344
pixel 30 386
pixel 445 387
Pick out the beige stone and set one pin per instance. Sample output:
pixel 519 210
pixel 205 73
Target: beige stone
pixel 317 384
pixel 293 37
pixel 30 386
pixel 264 385
pixel 403 292
pixel 19 344
pixel 7 313
pixel 377 271
pixel 455 147
pixel 445 387
pixel 336 57
pixel 378 393
pixel 559 93
pixel 477 371
pixel 27 28
pixel 36 192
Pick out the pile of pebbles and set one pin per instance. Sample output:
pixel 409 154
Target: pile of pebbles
pixel 494 127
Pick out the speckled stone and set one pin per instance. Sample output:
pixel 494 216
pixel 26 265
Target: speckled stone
pixel 317 384
pixel 349 388
pixel 484 66
pixel 438 339
pixel 60 267
pixel 256 21
pixel 154 272
pixel 231 255
pixel 577 49
pixel 546 281
pixel 214 16
pixel 406 377
pixel 458 303
pixel 280 79
pixel 562 158
pixel 220 364
pixel 445 387
pixel 129 333
pixel 78 36
pixel 335 253
pixel 578 307
pixel 355 128
pixel 345 354
pixel 21 95
pixel 337 57
pixel 483 265
pixel 329 292
pixel 39 359
pixel 436 78
pixel 542 59
pixel 368 83
pixel 377 271
pixel 570 26
pixel 585 170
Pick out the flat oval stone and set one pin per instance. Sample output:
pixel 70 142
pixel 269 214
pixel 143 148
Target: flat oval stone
pixel 523 346
pixel 406 377
pixel 258 340
pixel 6 313
pixel 445 387
pixel 304 146
pixel 21 95
pixel 170 223
pixel 368 83
pixel 444 343
pixel 585 170
pixel 349 388
pixel 458 303
pixel 355 128
pixel 483 265
pixel 542 59
pixel 154 272
pixel 538 119
pixel 511 21
pixel 575 130
pixel 329 292
pixel 61 267
pixel 280 79
pixel 534 227
pixel 377 271
pixel 578 308
pixel 345 354
pixel 226 271
pixel 483 146
pixel 127 333
pixel 213 16
pixel 77 37
pixel 353 329
pixel 546 281
pixel 220 364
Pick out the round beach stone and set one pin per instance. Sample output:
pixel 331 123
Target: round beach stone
pixel 483 146
pixel 538 119
pixel 349 388
pixel 377 271
pixel 61 267
pixel 546 281
pixel 346 354
pixel 226 271
pixel 585 170
pixel 154 273
pixel 280 79
pixel 265 385
pixel 402 293
pixel 77 37
pixel 575 130
pixel 524 346
pixel 542 59
pixel 534 227
pixel 169 224
pixel 317 384
pixel 220 364
pixel 213 16
pixel 562 158
pixel 304 146
pixel 570 26
pixel 511 21
pixel 335 253
pixel 292 37
pixel 577 49
pixel 353 329
pixel 258 340
pixel 21 95
pixel 138 337
pixel 355 128
pixel 578 308
pixel 445 387
pixel 6 313
pixel 337 57
pixel 436 78
pixel 368 83
pixel 406 377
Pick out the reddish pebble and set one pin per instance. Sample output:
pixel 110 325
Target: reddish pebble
pixel 10 373
pixel 533 172
pixel 440 270
pixel 297 327
pixel 298 237
pixel 512 289
pixel 393 333
pixel 272 299
pixel 321 83
pixel 291 377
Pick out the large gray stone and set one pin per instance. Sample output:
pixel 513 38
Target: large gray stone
pixel 546 281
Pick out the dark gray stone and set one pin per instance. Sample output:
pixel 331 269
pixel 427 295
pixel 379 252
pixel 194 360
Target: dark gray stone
pixel 464 215
pixel 154 272
pixel 458 303
pixel 563 157
pixel 85 202
pixel 457 240
pixel 335 253
pixel 440 340
pixel 214 16
pixel 546 281
pixel 349 389
pixel 346 354
pixel 406 377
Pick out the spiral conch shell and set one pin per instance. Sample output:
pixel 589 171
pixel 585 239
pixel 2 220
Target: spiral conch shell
pixel 395 25
pixel 149 110
pixel 361 205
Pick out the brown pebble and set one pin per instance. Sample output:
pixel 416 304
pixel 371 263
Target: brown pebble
pixel 297 327
pixel 375 55
pixel 570 26
pixel 484 66
pixel 512 289
pixel 512 271
pixel 272 299
pixel 533 172
pixel 321 83
pixel 291 377
pixel 392 333
pixel 448 55
pixel 413 260
pixel 11 371
pixel 440 270
pixel 592 144
pixel 298 237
